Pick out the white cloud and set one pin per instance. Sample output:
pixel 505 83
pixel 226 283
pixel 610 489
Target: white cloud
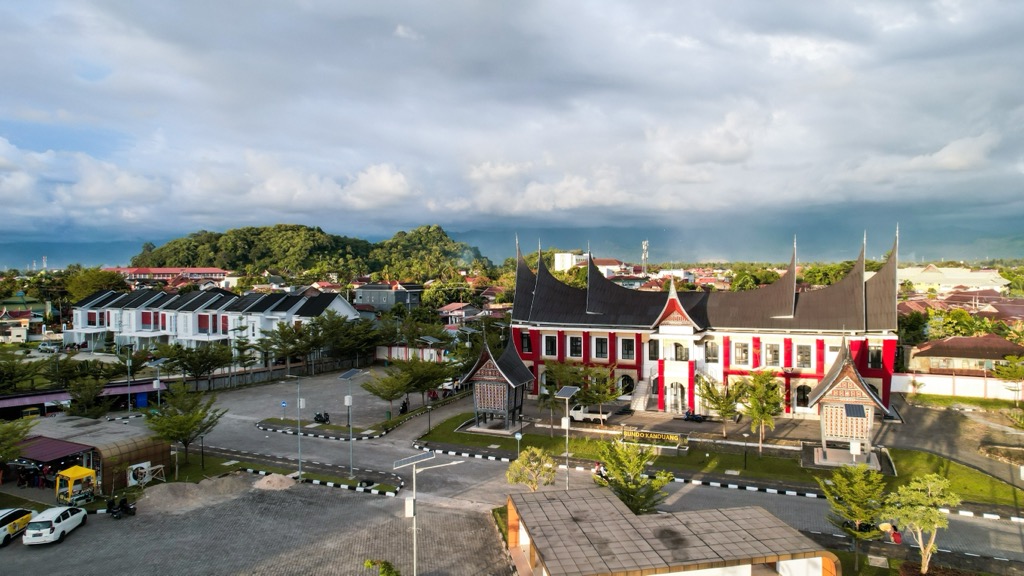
pixel 407 33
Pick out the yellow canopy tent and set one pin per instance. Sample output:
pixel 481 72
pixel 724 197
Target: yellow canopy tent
pixel 76 486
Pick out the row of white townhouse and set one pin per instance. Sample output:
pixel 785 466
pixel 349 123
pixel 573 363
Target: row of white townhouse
pixel 145 318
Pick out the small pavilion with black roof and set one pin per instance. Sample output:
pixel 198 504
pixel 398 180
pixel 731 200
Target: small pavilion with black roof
pixel 847 405
pixel 499 386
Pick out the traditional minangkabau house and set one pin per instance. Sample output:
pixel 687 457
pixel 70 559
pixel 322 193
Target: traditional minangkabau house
pixel 660 344
pixel 499 386
pixel 847 408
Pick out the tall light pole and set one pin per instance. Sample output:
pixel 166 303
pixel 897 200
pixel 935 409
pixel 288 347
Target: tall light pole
pixel 519 436
pixel 298 416
pixel 128 363
pixel 745 436
pixel 411 510
pixel 565 393
pixel 429 409
pixel 348 376
pixel 157 363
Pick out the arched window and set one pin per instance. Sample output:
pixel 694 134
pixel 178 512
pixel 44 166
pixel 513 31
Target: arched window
pixel 625 385
pixel 803 395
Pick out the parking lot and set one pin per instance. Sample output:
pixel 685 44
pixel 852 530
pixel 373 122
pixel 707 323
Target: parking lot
pixel 302 530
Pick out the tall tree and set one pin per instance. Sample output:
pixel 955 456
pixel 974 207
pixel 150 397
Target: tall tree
pixel 184 416
pixel 12 434
pixel 423 376
pixel 533 468
pixel 855 494
pixel 917 508
pixel 86 395
pixel 390 387
pixel 723 400
pixel 626 464
pixel 90 280
pixel 557 375
pixel 1013 374
pixel 764 403
pixel 14 372
pixel 201 362
pixel 600 387
pixel 287 341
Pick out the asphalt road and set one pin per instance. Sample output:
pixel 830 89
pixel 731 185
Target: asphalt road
pixel 318 530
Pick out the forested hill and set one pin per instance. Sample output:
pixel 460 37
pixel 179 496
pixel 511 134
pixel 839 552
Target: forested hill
pixel 414 256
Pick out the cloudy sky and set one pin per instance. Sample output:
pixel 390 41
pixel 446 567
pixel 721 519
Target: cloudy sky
pixel 718 128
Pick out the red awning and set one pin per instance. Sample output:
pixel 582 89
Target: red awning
pixel 43 449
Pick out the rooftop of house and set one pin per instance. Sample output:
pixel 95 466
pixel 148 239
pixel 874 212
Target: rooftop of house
pixel 570 530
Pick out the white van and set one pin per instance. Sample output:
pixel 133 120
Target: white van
pixel 54 524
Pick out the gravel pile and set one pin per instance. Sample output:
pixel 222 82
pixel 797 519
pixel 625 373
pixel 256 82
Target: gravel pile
pixel 181 497
pixel 274 482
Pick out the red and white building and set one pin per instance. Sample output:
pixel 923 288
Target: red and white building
pixel 146 318
pixel 659 344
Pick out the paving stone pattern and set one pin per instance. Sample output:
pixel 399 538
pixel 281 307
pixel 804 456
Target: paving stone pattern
pixel 305 530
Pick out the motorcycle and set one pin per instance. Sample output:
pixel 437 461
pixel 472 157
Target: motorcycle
pixel 113 509
pixel 324 418
pixel 404 407
pixel 126 508
pixel 693 417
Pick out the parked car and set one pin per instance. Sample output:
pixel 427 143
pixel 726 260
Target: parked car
pixel 13 522
pixel 48 348
pixel 580 412
pixel 54 524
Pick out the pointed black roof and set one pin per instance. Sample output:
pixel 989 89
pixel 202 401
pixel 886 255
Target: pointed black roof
pixel 843 367
pixel 245 302
pixel 760 307
pixel 850 304
pixel 612 304
pixel 526 282
pixel 509 364
pixel 96 299
pixel 561 303
pixel 881 291
pixel 266 303
pixel 316 305
pixel 287 303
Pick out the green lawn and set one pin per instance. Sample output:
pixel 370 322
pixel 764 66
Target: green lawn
pixel 950 401
pixel 973 486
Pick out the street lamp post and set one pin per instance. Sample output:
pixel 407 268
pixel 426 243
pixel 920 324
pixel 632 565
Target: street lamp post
pixel 519 436
pixel 202 452
pixel 298 417
pixel 348 376
pixel 745 436
pixel 565 393
pixel 429 409
pixel 128 363
pixel 413 460
pixel 156 364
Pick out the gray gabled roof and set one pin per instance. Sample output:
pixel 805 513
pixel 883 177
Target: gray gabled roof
pixel 94 300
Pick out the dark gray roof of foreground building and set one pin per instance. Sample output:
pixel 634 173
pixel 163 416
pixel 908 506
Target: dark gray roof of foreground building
pixel 851 304
pixel 584 532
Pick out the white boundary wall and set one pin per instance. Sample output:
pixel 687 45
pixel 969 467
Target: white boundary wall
pixel 951 385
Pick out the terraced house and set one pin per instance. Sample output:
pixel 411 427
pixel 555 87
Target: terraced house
pixel 144 318
pixel 660 343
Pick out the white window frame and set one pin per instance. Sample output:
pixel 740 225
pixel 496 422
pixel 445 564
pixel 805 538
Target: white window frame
pixel 741 353
pixel 569 341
